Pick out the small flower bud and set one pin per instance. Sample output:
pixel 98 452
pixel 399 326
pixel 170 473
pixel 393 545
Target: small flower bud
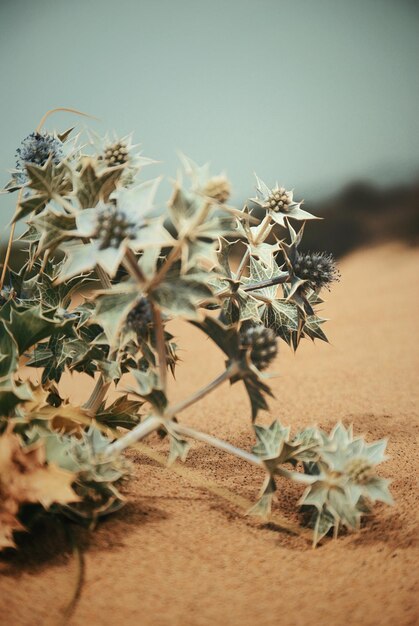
pixel 359 471
pixel 140 316
pixel 117 154
pixel 113 227
pixel 218 188
pixel 278 200
pixel 262 343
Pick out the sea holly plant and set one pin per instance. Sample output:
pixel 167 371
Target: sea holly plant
pixel 108 265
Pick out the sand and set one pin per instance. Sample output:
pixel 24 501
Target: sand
pixel 180 555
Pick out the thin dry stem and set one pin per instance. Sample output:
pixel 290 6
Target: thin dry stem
pixel 231 371
pixel 131 264
pixel 185 431
pixel 279 280
pixel 98 395
pixel 243 264
pixel 195 478
pixel 170 259
pixel 64 203
pixel 266 222
pixel 10 242
pixel 160 345
pixel 133 436
pixel 103 277
pixel 64 109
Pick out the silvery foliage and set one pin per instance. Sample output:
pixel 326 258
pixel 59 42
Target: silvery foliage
pixel 239 275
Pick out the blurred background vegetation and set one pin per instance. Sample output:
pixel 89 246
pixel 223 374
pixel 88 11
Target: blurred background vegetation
pixel 321 96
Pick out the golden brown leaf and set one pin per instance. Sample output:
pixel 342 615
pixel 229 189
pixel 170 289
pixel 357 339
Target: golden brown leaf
pixel 25 477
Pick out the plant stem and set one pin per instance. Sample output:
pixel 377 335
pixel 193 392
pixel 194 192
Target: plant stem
pixel 10 242
pixel 160 344
pixel 139 432
pixel 131 264
pixel 65 109
pixel 98 394
pixel 170 259
pixel 217 443
pixel 231 371
pixel 266 222
pixel 103 277
pixel 176 250
pixel 205 483
pixel 64 203
pixel 279 280
pixel 243 264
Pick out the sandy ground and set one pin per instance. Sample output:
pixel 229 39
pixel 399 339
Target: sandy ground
pixel 179 555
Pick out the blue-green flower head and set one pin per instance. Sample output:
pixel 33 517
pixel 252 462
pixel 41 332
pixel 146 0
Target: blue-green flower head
pixel 36 149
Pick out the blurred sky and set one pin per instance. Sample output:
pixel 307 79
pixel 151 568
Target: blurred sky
pixel 314 93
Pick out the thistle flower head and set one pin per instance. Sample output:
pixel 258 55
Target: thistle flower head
pixel 345 481
pixel 262 343
pixel 116 154
pixel 359 471
pixel 140 316
pixel 113 150
pixel 279 203
pixel 37 148
pixel 317 268
pixel 218 188
pixel 309 438
pixel 113 227
pixel 278 200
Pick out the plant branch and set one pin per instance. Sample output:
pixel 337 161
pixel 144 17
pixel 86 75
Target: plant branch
pixel 64 109
pixel 185 431
pixel 266 222
pixel 131 264
pixel 243 264
pixel 10 242
pixel 98 395
pixel 279 280
pixel 195 478
pixel 231 371
pixel 64 203
pixel 176 250
pixel 103 277
pixel 170 259
pixel 139 432
pixel 160 344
